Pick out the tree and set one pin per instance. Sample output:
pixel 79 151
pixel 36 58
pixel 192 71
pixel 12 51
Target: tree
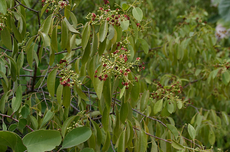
pixel 111 80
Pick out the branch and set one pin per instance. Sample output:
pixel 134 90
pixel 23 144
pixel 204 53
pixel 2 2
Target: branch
pixel 3 115
pixel 39 23
pixel 143 114
pixel 153 136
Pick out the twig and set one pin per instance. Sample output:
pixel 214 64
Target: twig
pixel 3 115
pixel 153 136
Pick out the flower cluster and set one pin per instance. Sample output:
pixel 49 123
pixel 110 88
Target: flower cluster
pixel 113 17
pixel 2 25
pixel 68 77
pixel 54 4
pixel 106 2
pixel 117 64
pixel 167 92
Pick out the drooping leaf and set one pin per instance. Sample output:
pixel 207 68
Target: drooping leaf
pixel 51 82
pixel 64 35
pixel 66 96
pixel 191 131
pixel 103 31
pixel 85 35
pixel 6 37
pixel 18 100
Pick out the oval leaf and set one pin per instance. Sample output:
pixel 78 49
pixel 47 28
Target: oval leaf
pixel 76 137
pixel 42 140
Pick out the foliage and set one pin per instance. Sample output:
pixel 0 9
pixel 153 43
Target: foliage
pixel 109 78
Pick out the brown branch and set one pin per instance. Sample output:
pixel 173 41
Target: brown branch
pixel 3 115
pixel 153 136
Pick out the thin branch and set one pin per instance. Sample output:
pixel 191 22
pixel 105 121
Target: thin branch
pixel 3 115
pixel 66 50
pixel 112 146
pixel 39 22
pixel 153 136
pixel 143 114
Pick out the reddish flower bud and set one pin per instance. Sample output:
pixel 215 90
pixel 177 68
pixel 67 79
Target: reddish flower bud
pixel 104 65
pixel 107 18
pixel 95 76
pixel 125 74
pixel 47 11
pixel 94 15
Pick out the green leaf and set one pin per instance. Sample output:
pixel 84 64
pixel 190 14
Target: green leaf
pixel 13 69
pixel 191 131
pixel 144 45
pixel 144 100
pixel 102 47
pixel 54 41
pixel 173 130
pixel 16 102
pixel 94 44
pixel 103 31
pixel 137 13
pixel 44 8
pixel 76 137
pixel 47 24
pixel 122 92
pixel 124 111
pixel 80 93
pixel 98 132
pixel 6 38
pixel 22 123
pixel 12 140
pixel 25 111
pixel 34 122
pixel 170 107
pixel 125 6
pixel 48 116
pixel 42 140
pixel 121 143
pixel 225 117
pixel 106 145
pixel 66 96
pixel 226 77
pixel 107 92
pixel 45 39
pixel 111 32
pixel 51 82
pixel 70 27
pixel 158 106
pixel 3 8
pixel 211 137
pixel 86 54
pixel 85 35
pixel 64 35
pixel 74 19
pixel 224 9
pixel 177 145
pixel 124 25
pixel 59 94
